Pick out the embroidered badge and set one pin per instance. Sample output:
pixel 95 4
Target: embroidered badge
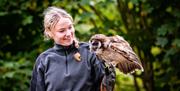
pixel 77 56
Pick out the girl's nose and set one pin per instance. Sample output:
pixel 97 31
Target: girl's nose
pixel 68 33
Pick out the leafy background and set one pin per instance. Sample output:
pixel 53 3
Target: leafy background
pixel 152 27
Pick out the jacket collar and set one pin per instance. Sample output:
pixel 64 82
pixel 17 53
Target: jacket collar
pixel 59 47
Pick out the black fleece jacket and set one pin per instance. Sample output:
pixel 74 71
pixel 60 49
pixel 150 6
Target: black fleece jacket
pixel 56 69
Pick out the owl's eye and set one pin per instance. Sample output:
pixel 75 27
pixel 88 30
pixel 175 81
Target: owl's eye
pixel 95 43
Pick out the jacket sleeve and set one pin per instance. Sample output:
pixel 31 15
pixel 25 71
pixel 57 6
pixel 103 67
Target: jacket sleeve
pixel 98 71
pixel 109 78
pixel 37 80
pixel 105 76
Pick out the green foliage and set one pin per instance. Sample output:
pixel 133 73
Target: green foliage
pixel 150 26
pixel 15 72
pixel 126 82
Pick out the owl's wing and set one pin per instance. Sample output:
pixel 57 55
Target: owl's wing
pixel 131 61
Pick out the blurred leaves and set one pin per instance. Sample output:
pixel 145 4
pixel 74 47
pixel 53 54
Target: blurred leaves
pixel 155 50
pixel 150 26
pixel 15 70
pixel 176 43
pixel 162 41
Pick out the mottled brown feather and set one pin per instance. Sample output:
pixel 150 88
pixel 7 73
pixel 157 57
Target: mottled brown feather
pixel 117 51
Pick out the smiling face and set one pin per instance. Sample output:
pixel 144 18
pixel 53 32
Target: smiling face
pixel 63 32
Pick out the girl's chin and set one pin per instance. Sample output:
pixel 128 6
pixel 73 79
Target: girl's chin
pixel 68 43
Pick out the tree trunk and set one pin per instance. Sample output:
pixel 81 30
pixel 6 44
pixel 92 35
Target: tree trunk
pixel 126 14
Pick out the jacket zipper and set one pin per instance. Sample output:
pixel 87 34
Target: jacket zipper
pixel 66 54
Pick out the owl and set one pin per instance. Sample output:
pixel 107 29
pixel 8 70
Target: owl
pixel 116 51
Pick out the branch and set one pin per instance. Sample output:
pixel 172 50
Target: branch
pixel 98 13
pixel 93 22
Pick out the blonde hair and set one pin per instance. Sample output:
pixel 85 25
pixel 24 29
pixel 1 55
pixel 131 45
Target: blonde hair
pixel 51 16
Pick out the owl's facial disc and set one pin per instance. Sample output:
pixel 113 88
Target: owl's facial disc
pixel 95 45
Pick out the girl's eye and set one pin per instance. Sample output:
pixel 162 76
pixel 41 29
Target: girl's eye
pixel 62 30
pixel 70 27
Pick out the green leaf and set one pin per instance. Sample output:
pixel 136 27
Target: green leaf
pixel 155 50
pixel 9 64
pixel 162 30
pixel 148 8
pixel 130 5
pixel 27 20
pixel 166 29
pixel 176 42
pixel 176 13
pixel 162 41
pixel 83 28
pixel 9 75
pixel 135 2
pixel 169 9
pixel 169 52
pixel 3 13
pixel 85 2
